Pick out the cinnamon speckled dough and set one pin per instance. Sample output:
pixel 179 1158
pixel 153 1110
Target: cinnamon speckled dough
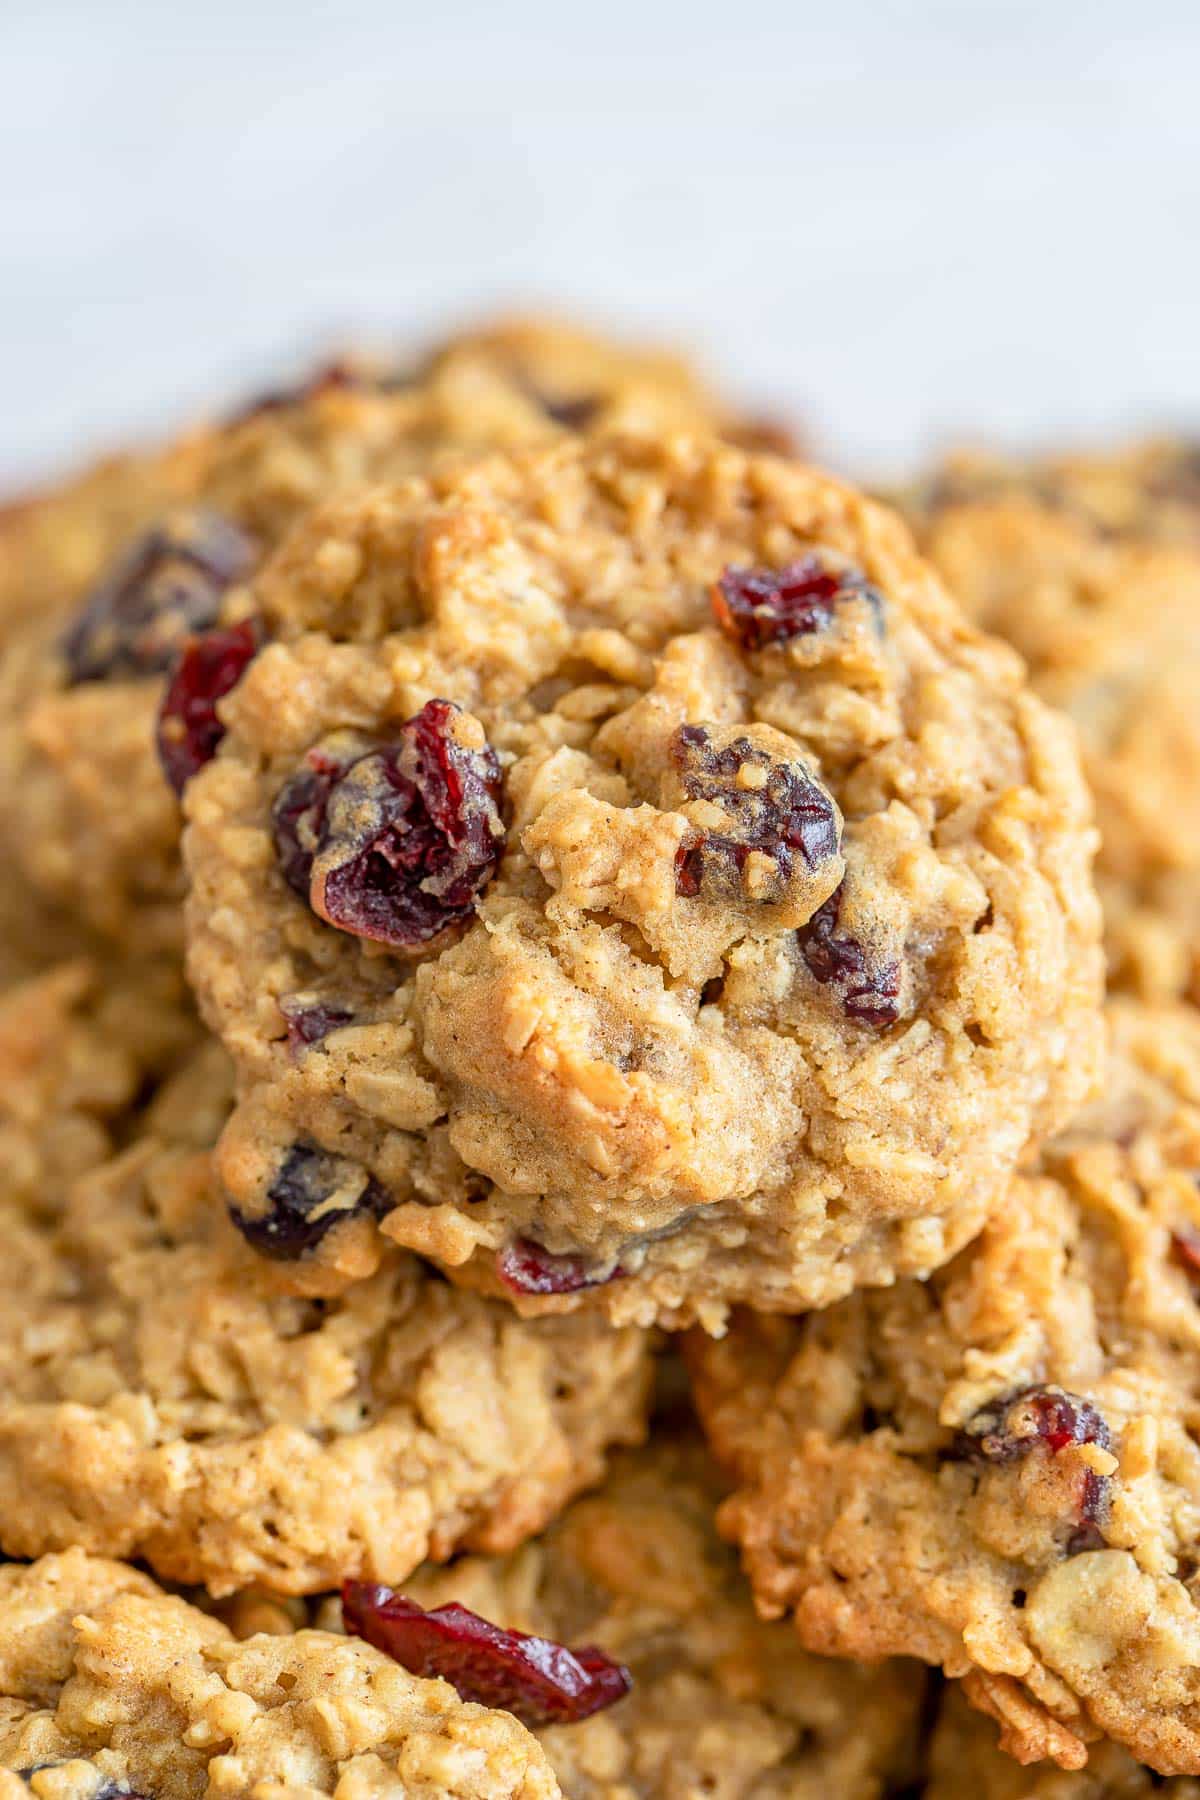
pixel 84 811
pixel 964 1758
pixel 158 1400
pixel 1091 568
pixel 709 1079
pixel 108 1685
pixel 1055 1568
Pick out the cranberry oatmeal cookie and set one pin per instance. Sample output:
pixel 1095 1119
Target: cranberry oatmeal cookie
pixel 964 1758
pixel 160 1400
pixel 626 855
pixel 110 1686
pixel 1085 568
pixel 153 554
pixel 997 1470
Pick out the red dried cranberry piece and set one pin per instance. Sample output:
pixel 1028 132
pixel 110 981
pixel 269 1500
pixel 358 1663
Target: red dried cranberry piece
pixel 208 668
pixel 308 1021
pixel 790 814
pixel 397 844
pixel 538 1681
pixel 1051 1416
pixel 307 1180
pixel 870 991
pixel 526 1268
pixel 1046 1419
pixel 756 606
pixel 298 815
pixel 166 588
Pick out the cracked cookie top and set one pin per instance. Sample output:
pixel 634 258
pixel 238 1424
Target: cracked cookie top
pixel 996 1470
pixel 108 582
pixel 626 856
pixel 161 1400
pixel 108 1686
pixel 1086 566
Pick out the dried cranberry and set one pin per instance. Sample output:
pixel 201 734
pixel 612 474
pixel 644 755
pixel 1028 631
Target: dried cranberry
pixel 167 587
pixel 538 1681
pixel 396 844
pixel 572 415
pixel 308 1021
pixel 526 1268
pixel 300 1211
pixel 1013 1427
pixel 298 815
pixel 1049 1419
pixel 870 991
pixel 789 812
pixel 189 730
pixel 756 606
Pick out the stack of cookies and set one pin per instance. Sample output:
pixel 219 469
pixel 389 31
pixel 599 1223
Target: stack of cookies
pixel 578 1220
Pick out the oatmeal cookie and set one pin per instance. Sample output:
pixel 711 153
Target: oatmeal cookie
pixel 964 1758
pixel 1148 492
pixel 998 1470
pixel 1104 604
pixel 160 1400
pixel 110 1686
pixel 625 854
pixel 78 1045
pixel 153 552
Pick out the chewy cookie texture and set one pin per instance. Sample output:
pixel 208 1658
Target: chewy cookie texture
pixel 159 1400
pixel 995 1470
pixel 102 580
pixel 725 938
pixel 111 1686
pixel 1091 567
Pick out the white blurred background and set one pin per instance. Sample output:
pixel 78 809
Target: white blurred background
pixel 904 222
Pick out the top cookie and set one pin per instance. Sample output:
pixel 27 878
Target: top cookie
pixel 1086 566
pixel 110 1686
pixel 996 1470
pixel 625 853
pixel 103 583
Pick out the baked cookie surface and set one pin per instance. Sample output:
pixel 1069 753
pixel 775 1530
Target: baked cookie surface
pixel 997 1470
pixel 626 855
pixel 111 576
pixel 110 1686
pixel 161 1401
pixel 1091 568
